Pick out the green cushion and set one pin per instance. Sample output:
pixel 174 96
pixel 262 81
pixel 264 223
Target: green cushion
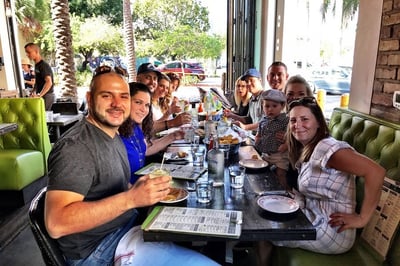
pixel 360 254
pixel 24 151
pixel 19 168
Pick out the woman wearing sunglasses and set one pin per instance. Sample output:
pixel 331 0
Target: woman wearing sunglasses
pixel 326 182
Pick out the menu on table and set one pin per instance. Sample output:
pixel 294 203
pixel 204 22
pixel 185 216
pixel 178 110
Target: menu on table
pixel 383 225
pixel 218 223
pixel 177 171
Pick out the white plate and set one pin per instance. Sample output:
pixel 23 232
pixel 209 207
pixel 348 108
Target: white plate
pixel 277 204
pixel 253 163
pixel 174 156
pixel 179 194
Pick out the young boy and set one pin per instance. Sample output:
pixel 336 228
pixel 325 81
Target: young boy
pixel 268 141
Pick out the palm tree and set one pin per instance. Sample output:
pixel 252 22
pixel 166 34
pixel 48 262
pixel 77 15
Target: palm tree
pixel 129 39
pixel 30 14
pixel 344 9
pixel 64 52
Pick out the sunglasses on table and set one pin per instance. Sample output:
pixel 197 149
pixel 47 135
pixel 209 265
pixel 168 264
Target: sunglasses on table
pixel 107 69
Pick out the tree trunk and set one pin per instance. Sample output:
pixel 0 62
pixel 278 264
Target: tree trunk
pixel 64 51
pixel 129 40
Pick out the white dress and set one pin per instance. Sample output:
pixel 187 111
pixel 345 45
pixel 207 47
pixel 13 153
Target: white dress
pixel 157 112
pixel 325 191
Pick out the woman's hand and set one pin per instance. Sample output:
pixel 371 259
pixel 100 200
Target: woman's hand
pixel 175 107
pixel 346 221
pixel 181 119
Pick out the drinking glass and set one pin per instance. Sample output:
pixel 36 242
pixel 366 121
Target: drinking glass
pixel 204 191
pixel 236 174
pixel 198 153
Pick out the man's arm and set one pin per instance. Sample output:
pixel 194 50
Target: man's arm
pixel 46 87
pixel 66 213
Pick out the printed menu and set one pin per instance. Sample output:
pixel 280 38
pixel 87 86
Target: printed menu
pixel 218 223
pixel 383 225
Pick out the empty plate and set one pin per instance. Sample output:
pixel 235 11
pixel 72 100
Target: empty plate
pixel 253 163
pixel 278 204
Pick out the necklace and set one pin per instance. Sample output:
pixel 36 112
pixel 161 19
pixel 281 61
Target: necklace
pixel 138 148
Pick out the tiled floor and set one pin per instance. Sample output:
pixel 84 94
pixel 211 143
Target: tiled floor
pixel 18 246
pixel 23 250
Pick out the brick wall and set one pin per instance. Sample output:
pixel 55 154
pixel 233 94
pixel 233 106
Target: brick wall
pixel 387 74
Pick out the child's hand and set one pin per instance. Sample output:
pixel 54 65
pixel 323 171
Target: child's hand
pixel 283 147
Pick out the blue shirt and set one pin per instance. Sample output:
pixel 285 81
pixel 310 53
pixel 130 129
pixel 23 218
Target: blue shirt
pixel 136 149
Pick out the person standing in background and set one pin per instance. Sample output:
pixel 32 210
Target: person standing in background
pixel 29 75
pixel 44 82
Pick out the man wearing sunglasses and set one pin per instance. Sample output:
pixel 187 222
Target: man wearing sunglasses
pixel 90 205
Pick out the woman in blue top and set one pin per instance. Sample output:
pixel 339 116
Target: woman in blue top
pixel 136 131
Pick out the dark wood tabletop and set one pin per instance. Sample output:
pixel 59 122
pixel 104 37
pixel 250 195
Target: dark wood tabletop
pixel 64 120
pixel 258 224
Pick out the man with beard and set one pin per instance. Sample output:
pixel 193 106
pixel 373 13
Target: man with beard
pixel 89 203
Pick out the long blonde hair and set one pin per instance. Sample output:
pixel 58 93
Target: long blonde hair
pixel 238 99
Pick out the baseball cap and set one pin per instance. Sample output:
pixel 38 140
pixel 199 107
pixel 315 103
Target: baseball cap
pixel 251 72
pixel 148 67
pixel 274 95
pixel 26 61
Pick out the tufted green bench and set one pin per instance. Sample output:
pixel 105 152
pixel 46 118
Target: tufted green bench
pixel 23 152
pixel 379 140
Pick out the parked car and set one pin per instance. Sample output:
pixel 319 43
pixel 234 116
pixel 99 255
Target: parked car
pixel 332 80
pixel 183 67
pixel 107 60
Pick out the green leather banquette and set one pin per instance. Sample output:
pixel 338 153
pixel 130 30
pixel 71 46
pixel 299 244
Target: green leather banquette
pixel 23 152
pixel 380 141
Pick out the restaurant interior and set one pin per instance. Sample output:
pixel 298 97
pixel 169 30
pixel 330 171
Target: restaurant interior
pixel 370 123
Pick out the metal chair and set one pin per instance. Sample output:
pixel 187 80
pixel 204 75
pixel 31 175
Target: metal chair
pixel 49 248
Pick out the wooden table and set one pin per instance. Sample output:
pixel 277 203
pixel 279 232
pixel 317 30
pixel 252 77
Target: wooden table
pixel 62 121
pixel 7 127
pixel 257 224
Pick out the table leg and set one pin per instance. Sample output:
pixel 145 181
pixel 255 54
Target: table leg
pixel 229 250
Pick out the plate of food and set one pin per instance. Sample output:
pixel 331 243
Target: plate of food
pixel 176 156
pixel 253 163
pixel 175 195
pixel 278 204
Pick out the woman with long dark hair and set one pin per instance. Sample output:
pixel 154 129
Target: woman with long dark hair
pixel 326 182
pixel 136 131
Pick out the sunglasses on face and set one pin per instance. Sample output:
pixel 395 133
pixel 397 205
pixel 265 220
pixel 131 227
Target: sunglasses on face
pixel 107 69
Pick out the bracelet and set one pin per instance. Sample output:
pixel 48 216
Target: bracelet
pixel 166 124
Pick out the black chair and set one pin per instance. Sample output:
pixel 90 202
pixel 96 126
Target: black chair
pixel 51 252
